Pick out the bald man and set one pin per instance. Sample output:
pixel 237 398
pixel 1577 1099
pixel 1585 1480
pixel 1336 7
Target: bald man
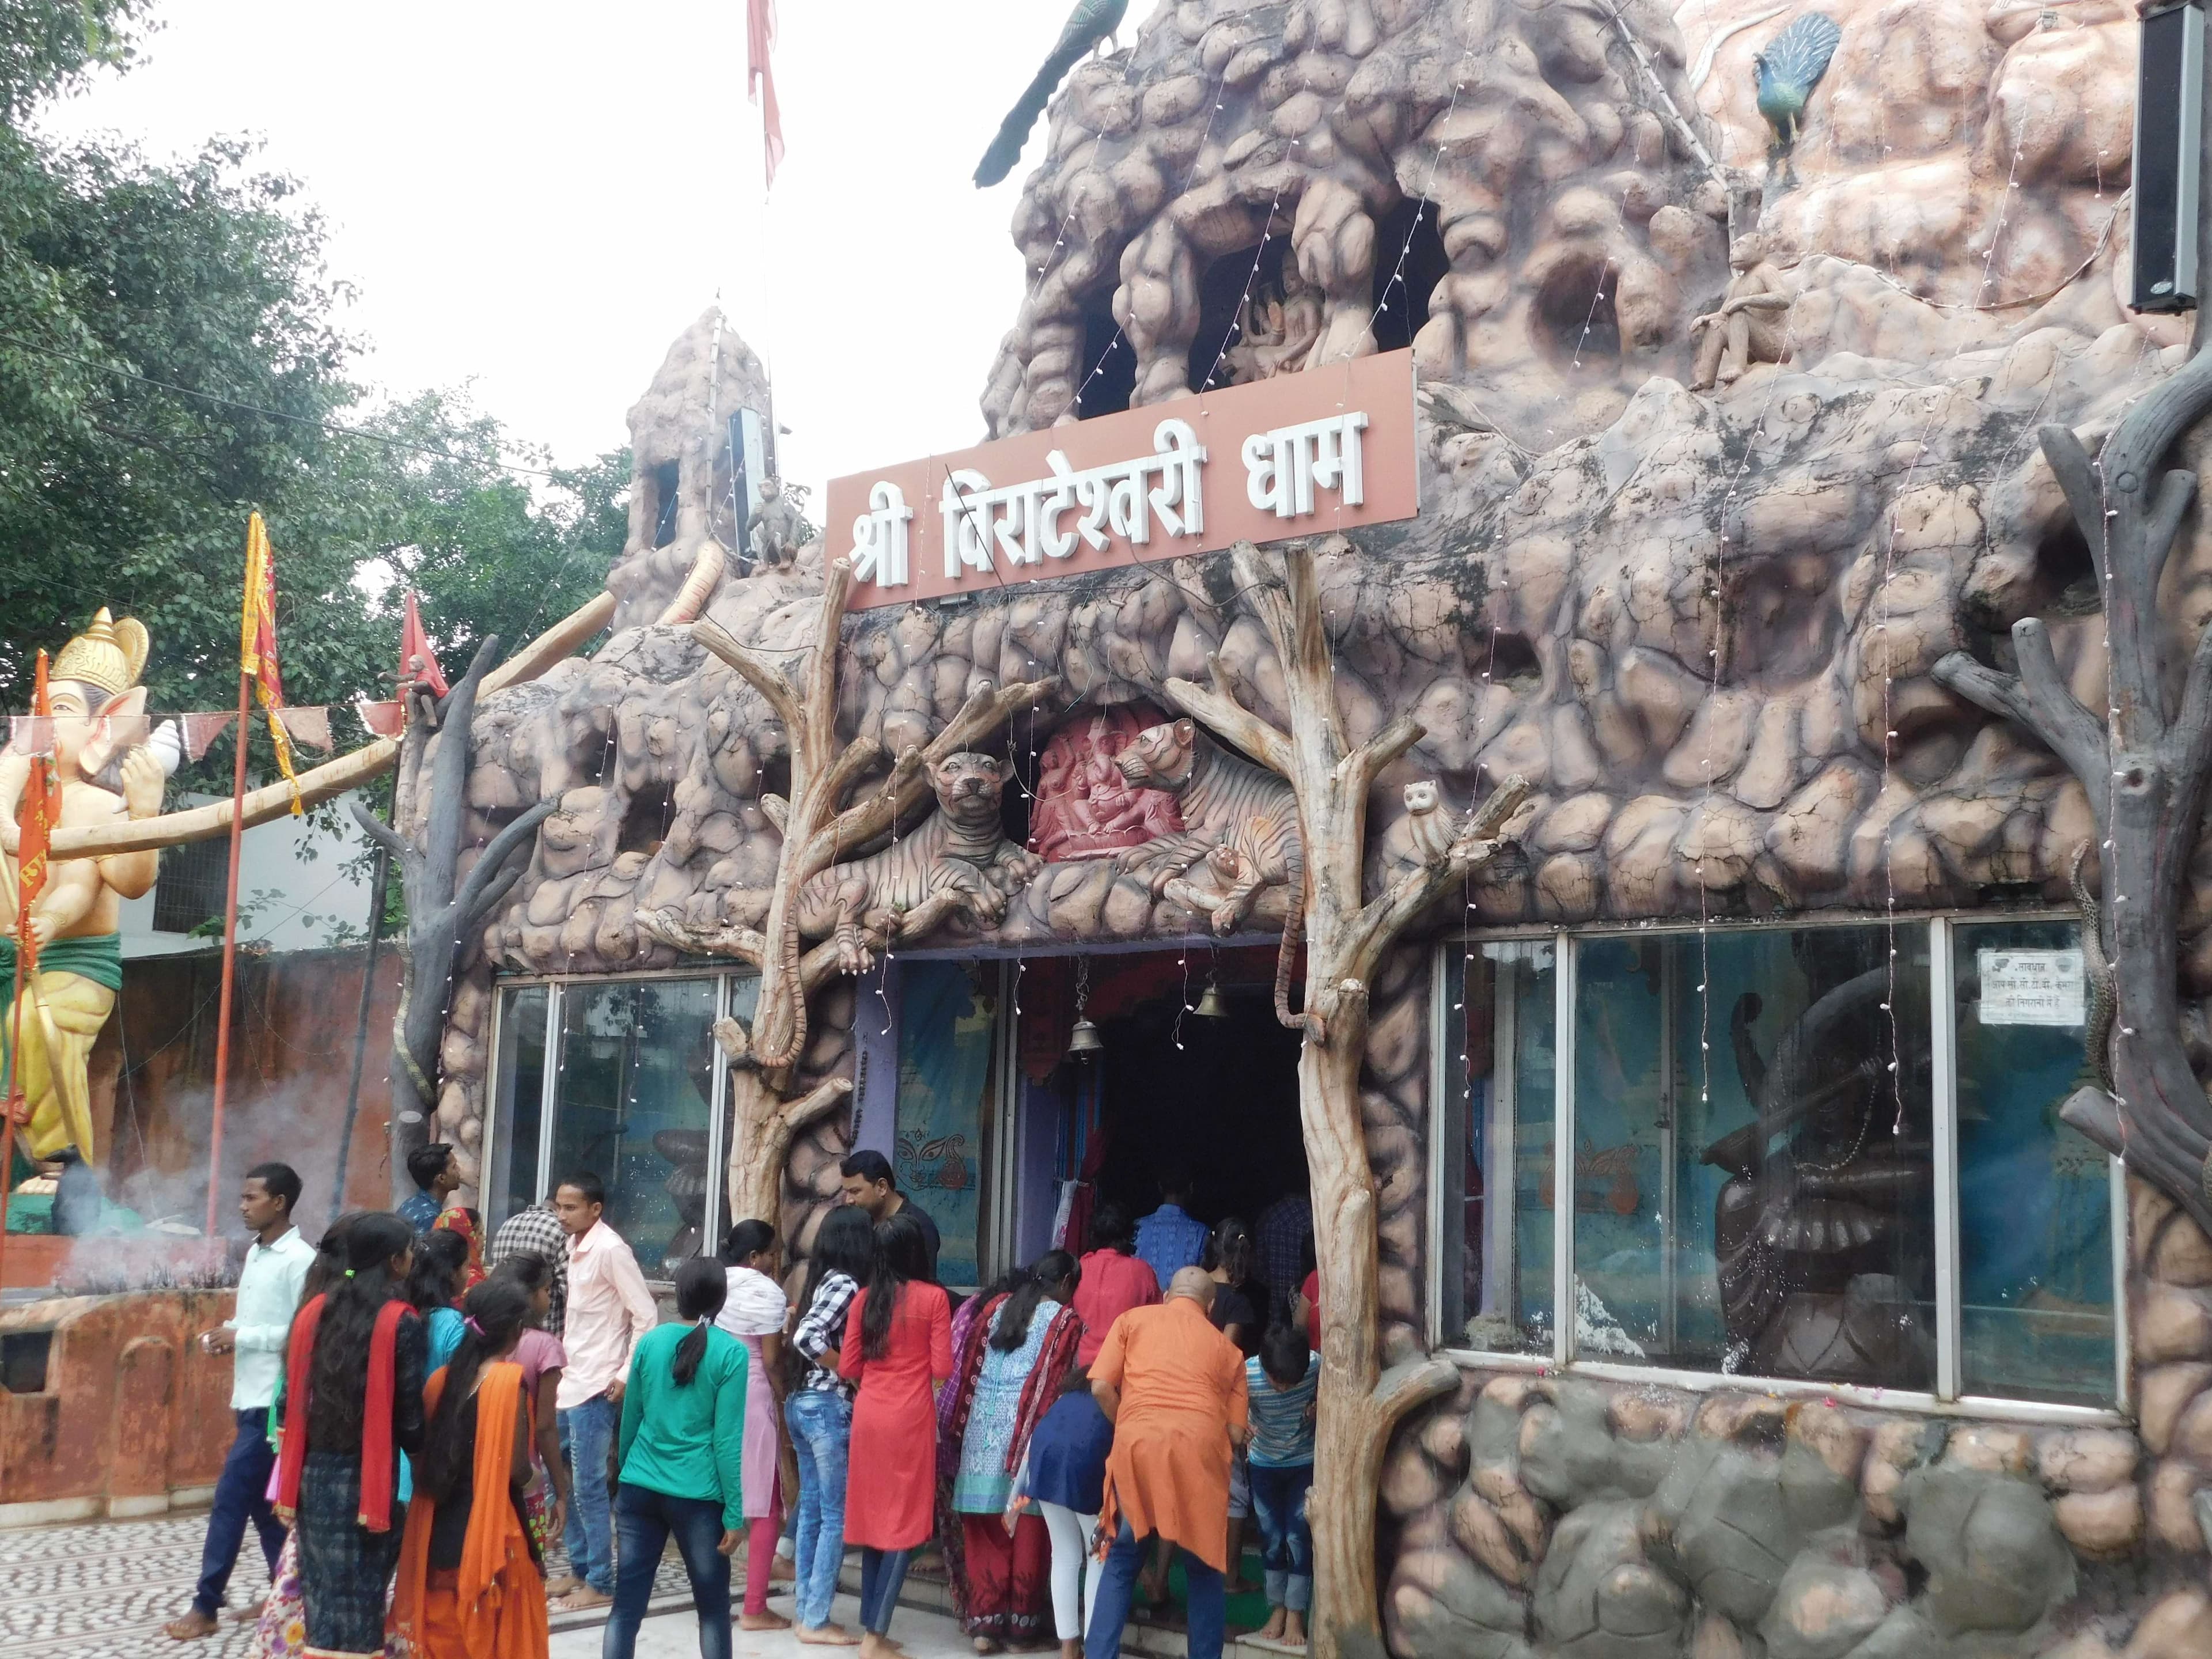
pixel 1173 1387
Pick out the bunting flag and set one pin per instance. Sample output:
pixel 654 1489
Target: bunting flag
pixel 40 811
pixel 202 730
pixel 383 720
pixel 418 662
pixel 309 728
pixel 30 734
pixel 256 645
pixel 760 41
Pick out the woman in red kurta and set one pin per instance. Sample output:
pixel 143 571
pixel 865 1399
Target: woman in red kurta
pixel 898 1348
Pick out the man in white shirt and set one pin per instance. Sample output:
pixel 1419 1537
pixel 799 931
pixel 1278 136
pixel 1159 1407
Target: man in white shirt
pixel 609 1309
pixel 268 1294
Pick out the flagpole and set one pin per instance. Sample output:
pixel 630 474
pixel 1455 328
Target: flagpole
pixel 7 1110
pixel 229 951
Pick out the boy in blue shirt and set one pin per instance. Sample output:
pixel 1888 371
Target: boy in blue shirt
pixel 1280 1382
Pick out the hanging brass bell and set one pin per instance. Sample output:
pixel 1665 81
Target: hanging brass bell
pixel 1084 1041
pixel 1211 1006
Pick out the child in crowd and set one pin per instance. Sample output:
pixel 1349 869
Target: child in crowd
pixel 1280 1382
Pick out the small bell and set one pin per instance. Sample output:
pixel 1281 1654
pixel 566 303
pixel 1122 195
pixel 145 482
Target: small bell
pixel 1084 1041
pixel 1211 1005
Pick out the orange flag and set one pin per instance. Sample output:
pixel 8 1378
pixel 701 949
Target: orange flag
pixel 760 42
pixel 256 645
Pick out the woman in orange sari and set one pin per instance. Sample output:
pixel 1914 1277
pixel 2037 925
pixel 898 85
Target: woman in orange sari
pixel 470 1584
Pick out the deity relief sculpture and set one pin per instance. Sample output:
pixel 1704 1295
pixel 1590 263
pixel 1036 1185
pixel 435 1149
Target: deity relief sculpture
pixel 1751 325
pixel 1276 329
pixel 1086 809
pixel 106 770
pixel 959 862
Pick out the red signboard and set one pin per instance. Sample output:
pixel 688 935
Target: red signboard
pixel 1300 454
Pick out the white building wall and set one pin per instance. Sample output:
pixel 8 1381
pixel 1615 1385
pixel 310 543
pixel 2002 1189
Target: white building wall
pixel 302 886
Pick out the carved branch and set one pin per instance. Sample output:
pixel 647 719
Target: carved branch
pixel 488 902
pixel 1383 918
pixel 823 1098
pixel 2068 730
pixel 385 836
pixel 758 672
pixel 745 943
pixel 515 835
pixel 858 757
pixel 1384 747
pixel 1234 723
pixel 2076 473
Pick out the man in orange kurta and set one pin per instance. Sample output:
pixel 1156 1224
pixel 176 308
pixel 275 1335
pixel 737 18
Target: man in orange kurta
pixel 1173 1388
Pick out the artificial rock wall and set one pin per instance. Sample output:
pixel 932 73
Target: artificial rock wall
pixel 1701 623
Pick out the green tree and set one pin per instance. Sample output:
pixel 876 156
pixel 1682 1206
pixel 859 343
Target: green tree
pixel 170 359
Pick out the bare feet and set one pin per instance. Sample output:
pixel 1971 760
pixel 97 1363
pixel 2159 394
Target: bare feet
pixel 1273 1630
pixel 873 1646
pixel 194 1626
pixel 582 1599
pixel 985 1644
pixel 568 1583
pixel 827 1636
pixel 1072 1649
pixel 763 1621
pixel 1294 1631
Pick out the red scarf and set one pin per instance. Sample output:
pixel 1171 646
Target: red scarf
pixel 376 1460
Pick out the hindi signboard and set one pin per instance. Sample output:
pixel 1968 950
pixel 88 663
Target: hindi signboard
pixel 1300 454
pixel 2032 987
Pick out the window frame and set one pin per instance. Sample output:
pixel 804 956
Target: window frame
pixel 1947 1398
pixel 557 987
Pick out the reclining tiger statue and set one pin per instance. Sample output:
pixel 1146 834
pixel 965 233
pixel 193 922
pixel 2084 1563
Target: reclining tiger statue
pixel 958 862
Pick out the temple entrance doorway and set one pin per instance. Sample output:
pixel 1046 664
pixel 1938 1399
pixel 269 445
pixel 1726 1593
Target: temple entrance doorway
pixel 1182 1086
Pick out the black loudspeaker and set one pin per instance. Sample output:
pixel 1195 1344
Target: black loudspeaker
pixel 2169 131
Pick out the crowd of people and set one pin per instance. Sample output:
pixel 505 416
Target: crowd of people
pixel 419 1414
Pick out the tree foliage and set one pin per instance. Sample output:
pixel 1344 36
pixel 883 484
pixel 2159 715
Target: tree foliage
pixel 171 357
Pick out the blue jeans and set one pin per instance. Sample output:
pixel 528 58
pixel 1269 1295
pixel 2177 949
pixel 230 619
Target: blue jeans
pixel 646 1519
pixel 1278 1499
pixel 241 1494
pixel 883 1573
pixel 821 1424
pixel 588 1433
pixel 1209 1609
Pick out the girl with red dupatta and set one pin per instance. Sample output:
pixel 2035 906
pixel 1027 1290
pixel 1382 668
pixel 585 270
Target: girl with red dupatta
pixel 1011 1347
pixel 470 1584
pixel 354 1371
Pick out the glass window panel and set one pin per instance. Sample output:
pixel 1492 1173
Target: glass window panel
pixel 637 1071
pixel 1753 1170
pixel 944 1100
pixel 2035 1210
pixel 1498 1251
pixel 511 1183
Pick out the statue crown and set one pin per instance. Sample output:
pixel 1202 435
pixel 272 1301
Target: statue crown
pixel 109 654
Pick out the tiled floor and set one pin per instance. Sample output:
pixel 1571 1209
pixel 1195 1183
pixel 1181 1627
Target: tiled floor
pixel 102 1590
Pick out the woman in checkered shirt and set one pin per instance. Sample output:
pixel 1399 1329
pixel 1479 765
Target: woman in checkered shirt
pixel 819 1414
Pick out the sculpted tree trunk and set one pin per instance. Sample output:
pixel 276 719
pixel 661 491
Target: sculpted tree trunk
pixel 1345 938
pixel 768 1108
pixel 443 910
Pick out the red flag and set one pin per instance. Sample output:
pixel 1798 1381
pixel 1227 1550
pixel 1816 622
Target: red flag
pixel 418 662
pixel 760 39
pixel 257 644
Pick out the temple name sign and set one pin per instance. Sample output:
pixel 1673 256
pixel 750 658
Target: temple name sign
pixel 1300 454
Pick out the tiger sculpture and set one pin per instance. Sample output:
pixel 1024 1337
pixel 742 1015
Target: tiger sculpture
pixel 959 861
pixel 1240 821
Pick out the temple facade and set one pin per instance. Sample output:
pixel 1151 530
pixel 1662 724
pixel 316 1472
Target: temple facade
pixel 1712 1116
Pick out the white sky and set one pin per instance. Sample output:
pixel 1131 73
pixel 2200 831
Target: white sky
pixel 536 198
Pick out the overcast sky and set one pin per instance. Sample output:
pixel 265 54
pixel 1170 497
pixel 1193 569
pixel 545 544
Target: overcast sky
pixel 538 198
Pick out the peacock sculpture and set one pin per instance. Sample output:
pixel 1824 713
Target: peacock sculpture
pixel 1092 23
pixel 1789 67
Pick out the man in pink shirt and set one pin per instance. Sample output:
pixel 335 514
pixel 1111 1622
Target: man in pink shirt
pixel 609 1310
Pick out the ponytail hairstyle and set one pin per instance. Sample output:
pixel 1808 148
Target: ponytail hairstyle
pixel 338 1379
pixel 1229 1249
pixel 440 1257
pixel 328 1268
pixel 1030 1286
pixel 746 1240
pixel 701 1287
pixel 496 1311
pixel 901 1256
pixel 844 1243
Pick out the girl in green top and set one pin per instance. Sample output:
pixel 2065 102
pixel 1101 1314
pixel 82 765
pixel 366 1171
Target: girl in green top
pixel 683 1439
